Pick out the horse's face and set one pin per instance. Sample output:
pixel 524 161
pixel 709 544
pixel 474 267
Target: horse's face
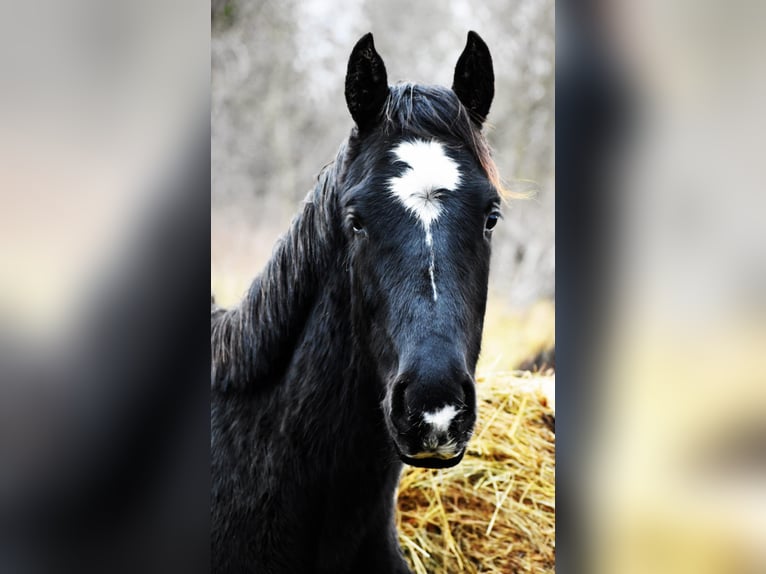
pixel 419 228
pixel 418 213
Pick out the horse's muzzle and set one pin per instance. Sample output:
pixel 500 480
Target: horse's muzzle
pixel 431 414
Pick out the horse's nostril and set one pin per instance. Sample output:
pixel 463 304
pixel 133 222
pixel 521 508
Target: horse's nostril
pixel 467 388
pixel 398 397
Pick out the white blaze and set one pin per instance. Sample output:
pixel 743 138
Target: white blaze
pixel 442 418
pixel 430 170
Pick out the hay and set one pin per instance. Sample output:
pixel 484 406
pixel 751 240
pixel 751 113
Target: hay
pixel 495 511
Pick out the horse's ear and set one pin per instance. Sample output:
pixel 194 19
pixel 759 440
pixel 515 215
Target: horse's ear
pixel 474 81
pixel 366 83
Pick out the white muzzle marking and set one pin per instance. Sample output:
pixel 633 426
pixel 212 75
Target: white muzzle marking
pixel 441 419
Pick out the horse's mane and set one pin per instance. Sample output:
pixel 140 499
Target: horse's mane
pixel 254 340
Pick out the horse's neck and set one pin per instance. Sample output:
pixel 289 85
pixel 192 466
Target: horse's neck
pixel 334 386
pixel 253 343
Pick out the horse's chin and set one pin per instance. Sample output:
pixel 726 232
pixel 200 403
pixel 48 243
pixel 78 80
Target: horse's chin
pixel 432 462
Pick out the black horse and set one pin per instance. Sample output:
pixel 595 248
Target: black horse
pixel 355 348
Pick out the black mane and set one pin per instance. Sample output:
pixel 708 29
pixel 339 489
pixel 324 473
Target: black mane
pixel 252 341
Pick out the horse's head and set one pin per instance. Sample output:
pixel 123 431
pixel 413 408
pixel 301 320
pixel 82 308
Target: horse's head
pixel 419 203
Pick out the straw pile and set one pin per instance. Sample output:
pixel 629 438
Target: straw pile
pixel 495 511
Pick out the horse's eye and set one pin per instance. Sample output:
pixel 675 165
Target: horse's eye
pixel 492 219
pixel 356 223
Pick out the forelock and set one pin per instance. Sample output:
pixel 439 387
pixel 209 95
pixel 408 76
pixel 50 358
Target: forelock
pixel 435 112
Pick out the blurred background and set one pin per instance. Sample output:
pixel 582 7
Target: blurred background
pixel 104 195
pixel 279 115
pixel 662 292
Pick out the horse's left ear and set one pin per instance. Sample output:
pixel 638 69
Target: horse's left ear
pixel 366 83
pixel 474 81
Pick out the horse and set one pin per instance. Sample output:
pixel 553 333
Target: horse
pixel 353 352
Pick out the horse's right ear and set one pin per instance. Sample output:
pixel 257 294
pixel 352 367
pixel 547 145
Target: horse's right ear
pixel 366 83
